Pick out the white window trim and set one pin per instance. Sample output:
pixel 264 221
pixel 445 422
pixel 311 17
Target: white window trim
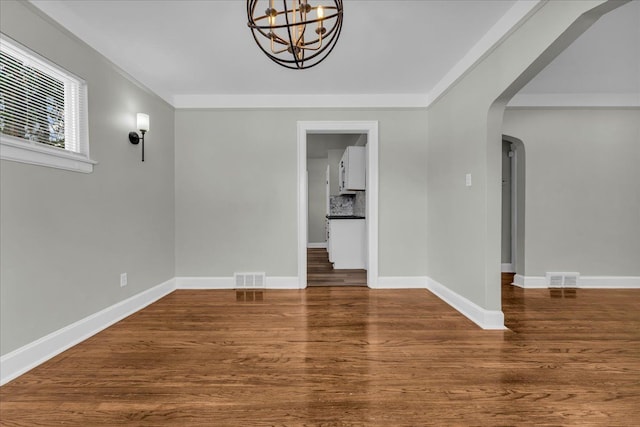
pixel 25 151
pixel 20 150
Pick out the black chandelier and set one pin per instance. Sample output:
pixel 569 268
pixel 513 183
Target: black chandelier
pixel 298 36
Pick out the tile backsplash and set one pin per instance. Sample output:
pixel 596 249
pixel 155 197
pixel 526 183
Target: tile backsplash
pixel 348 204
pixel 359 203
pixel 341 205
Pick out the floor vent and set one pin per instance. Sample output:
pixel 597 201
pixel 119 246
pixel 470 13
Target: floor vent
pixel 562 280
pixel 249 280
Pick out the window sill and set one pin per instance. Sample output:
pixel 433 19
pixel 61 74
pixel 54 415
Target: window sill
pixel 17 150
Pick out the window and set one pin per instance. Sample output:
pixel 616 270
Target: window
pixel 43 111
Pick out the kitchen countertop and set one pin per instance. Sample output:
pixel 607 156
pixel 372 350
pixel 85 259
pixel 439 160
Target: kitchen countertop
pixel 344 217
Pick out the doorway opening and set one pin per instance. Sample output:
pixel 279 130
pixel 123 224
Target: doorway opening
pixel 314 201
pixel 513 191
pixel 334 210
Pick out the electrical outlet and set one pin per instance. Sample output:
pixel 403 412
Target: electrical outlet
pixel 123 280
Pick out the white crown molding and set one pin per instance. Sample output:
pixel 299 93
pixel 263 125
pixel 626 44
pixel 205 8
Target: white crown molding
pixel 56 12
pixel 575 100
pixel 583 282
pixel 518 14
pixel 205 101
pixel 511 21
pixel 27 357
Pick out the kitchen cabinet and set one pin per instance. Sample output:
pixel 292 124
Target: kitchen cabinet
pixel 328 238
pixel 352 174
pixel 328 190
pixel 347 243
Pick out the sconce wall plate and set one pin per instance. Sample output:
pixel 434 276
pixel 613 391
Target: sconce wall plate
pixel 134 138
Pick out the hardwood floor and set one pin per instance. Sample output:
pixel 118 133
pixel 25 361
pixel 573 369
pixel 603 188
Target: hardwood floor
pixel 320 271
pixel 507 279
pixel 341 356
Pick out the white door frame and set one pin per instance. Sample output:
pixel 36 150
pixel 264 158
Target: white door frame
pixel 514 207
pixel 370 128
pixel 517 192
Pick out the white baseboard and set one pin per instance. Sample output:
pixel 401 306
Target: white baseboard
pixel 27 357
pixel 507 268
pixel 609 282
pixel 205 283
pixel 530 282
pixel 402 282
pixel 283 282
pixel 584 282
pixel 486 319
pixel 33 354
pixel 273 282
pixel 320 245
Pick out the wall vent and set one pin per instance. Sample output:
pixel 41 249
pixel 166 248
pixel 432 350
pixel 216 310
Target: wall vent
pixel 555 280
pixel 249 280
pixel 562 279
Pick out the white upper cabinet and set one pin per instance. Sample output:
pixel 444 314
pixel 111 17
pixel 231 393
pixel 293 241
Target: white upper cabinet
pixel 352 174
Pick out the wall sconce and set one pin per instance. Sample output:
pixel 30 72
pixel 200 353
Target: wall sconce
pixel 142 121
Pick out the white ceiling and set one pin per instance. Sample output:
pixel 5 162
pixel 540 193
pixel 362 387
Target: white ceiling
pixel 605 59
pixel 602 67
pixel 318 145
pixel 401 48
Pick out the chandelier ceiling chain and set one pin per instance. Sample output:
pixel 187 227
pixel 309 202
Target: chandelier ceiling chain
pixel 299 35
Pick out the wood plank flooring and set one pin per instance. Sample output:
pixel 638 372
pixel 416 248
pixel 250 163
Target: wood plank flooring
pixel 320 271
pixel 345 356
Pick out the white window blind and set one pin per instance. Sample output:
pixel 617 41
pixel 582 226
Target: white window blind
pixel 43 111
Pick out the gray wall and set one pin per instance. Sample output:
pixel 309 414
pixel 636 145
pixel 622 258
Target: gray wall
pixel 67 236
pixel 331 147
pixel 334 158
pixel 582 210
pixel 236 190
pixel 465 134
pixel 317 206
pixel 236 197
